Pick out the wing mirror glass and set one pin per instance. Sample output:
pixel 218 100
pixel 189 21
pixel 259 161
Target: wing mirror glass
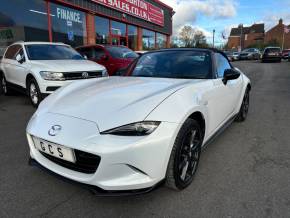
pixel 20 58
pixel 230 74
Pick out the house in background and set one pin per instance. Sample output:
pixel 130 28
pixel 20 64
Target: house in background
pixel 278 34
pixel 243 37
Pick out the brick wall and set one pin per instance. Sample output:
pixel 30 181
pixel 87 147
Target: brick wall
pixel 276 33
pixel 233 42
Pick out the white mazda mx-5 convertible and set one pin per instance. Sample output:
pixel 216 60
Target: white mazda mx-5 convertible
pixel 129 133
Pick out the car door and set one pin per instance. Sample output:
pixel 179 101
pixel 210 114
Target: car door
pixel 223 97
pixel 8 62
pixel 21 69
pixel 15 72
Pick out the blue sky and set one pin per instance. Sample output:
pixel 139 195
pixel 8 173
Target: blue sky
pixel 221 15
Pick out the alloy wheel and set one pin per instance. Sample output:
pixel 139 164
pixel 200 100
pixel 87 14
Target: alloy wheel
pixel 34 93
pixel 4 85
pixel 246 103
pixel 189 155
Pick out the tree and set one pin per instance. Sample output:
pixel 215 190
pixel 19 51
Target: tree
pixel 191 37
pixel 200 39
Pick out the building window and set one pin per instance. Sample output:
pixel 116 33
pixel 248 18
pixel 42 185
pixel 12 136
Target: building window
pixel 119 33
pixel 68 25
pixel 22 20
pixel 102 30
pixel 118 28
pixel 160 40
pixel 148 40
pixel 132 37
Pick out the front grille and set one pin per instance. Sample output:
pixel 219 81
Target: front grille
pixel 82 75
pixel 85 162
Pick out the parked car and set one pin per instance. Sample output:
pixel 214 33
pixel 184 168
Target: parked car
pixel 233 56
pixel 113 57
pixel 272 54
pixel 285 54
pixel 39 68
pixel 250 54
pixel 133 132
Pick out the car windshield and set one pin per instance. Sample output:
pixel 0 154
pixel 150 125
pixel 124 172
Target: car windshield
pixel 52 52
pixel 174 64
pixel 121 52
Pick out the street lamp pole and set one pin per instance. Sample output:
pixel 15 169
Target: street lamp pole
pixel 241 26
pixel 213 32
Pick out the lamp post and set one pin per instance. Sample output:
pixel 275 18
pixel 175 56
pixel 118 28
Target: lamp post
pixel 213 32
pixel 241 27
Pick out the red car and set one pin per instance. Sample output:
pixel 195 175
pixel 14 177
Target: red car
pixel 112 57
pixel 285 53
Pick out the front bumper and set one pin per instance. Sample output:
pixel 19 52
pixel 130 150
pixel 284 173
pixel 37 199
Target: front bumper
pixel 47 87
pixel 127 163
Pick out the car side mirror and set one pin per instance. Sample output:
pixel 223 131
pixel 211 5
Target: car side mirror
pixel 20 58
pixel 230 74
pixel 85 57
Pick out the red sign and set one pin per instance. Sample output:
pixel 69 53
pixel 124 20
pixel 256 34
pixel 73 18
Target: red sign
pixel 137 8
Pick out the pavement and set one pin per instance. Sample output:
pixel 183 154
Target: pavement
pixel 245 172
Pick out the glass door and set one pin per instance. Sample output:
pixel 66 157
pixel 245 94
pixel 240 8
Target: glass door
pixel 119 40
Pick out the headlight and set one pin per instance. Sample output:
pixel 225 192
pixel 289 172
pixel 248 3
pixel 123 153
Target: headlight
pixel 51 75
pixel 105 72
pixel 134 129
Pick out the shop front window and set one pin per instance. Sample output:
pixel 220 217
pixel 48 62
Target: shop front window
pixel 22 20
pixel 148 40
pixel 68 25
pixel 102 30
pixel 161 40
pixel 118 28
pixel 132 37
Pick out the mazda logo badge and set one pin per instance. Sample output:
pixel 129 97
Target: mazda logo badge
pixel 54 130
pixel 85 75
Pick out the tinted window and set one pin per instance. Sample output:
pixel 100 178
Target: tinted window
pixel 52 52
pixel 12 51
pixel 88 51
pixel 121 52
pixel 68 25
pixel 272 50
pixel 222 64
pixel 174 64
pixel 98 53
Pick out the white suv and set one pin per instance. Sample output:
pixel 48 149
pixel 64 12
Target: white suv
pixel 39 68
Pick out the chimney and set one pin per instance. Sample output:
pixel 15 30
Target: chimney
pixel 281 22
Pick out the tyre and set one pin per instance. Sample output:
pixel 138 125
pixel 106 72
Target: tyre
pixel 5 89
pixel 184 156
pixel 34 92
pixel 242 115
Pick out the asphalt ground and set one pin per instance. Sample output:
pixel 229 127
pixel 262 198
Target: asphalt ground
pixel 245 172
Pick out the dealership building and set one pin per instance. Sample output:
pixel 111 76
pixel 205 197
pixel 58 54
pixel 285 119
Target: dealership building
pixel 138 24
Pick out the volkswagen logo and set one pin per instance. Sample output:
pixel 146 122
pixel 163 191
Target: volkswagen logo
pixel 85 75
pixel 54 130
